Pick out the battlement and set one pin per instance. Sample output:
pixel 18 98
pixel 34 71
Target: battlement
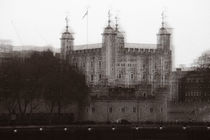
pixel 86 51
pixel 140 50
pixel 125 98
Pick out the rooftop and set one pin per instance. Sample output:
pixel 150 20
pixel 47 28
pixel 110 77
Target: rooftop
pixel 127 45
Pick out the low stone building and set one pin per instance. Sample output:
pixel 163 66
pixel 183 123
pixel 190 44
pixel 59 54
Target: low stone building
pixel 127 104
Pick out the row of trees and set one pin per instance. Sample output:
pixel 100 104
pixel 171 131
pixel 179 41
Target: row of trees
pixel 25 83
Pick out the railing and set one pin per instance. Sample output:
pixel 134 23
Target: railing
pixel 108 132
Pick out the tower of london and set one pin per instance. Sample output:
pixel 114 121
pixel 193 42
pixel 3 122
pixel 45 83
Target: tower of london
pixel 128 80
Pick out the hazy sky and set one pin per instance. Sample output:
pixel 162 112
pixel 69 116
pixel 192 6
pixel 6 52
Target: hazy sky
pixel 41 22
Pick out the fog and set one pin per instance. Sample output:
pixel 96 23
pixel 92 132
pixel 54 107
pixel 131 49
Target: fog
pixel 41 22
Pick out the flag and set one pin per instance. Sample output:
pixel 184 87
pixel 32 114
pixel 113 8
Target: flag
pixel 86 13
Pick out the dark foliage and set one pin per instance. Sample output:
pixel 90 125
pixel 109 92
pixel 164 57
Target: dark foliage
pixel 42 76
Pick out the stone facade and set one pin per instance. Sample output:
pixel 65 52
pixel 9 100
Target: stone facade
pixel 175 84
pixel 116 64
pixel 112 62
pixel 126 105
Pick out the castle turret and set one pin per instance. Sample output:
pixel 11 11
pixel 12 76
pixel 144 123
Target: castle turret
pixel 67 42
pixel 163 37
pixel 165 55
pixel 108 43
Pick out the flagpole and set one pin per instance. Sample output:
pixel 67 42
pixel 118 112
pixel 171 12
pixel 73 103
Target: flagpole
pixel 87 29
pixel 86 14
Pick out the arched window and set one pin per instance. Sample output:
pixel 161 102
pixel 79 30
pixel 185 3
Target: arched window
pixel 91 77
pixel 93 109
pixel 99 64
pixel 120 76
pixel 110 110
pixel 132 76
pixel 91 64
pixel 123 109
pixel 100 76
pixel 134 109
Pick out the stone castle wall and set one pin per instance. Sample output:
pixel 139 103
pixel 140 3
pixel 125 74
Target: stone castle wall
pixel 131 110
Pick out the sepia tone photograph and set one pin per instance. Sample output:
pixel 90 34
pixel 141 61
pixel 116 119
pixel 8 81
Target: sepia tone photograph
pixel 105 69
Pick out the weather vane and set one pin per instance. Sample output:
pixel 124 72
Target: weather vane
pixel 109 16
pixel 163 18
pixel 67 20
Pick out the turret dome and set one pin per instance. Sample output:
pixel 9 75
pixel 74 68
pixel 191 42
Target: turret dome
pixel 67 35
pixel 163 30
pixel 108 30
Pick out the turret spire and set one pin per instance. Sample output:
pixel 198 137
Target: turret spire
pixel 67 26
pixel 116 24
pixel 163 19
pixel 109 16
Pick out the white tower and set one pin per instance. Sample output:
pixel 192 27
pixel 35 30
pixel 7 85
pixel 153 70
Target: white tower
pixel 67 42
pixel 163 37
pixel 108 44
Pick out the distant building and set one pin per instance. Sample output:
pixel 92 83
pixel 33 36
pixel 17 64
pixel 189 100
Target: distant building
pixel 190 85
pixel 195 86
pixel 190 92
pixel 6 46
pixel 36 48
pixel 6 49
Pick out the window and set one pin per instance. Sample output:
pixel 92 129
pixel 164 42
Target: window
pixel 131 75
pixel 93 109
pixel 91 63
pixel 123 109
pixel 151 110
pixel 100 76
pixel 134 109
pixel 99 63
pixel 91 77
pixel 110 110
pixel 161 109
pixel 120 76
